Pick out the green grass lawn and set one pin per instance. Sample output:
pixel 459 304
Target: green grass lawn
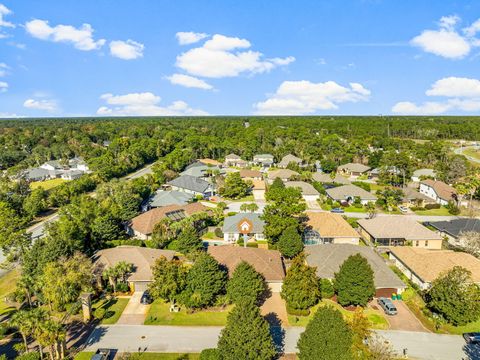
pixel 376 318
pixel 472 152
pixel 159 314
pixel 47 184
pixel 443 211
pixel 354 209
pixel 246 198
pixel 114 308
pixel 147 356
pixel 376 187
pixel 7 285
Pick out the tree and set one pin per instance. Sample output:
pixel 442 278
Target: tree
pixel 371 209
pixel 300 288
pixel 169 279
pixel 326 337
pixel 454 295
pixel 290 242
pixel 470 242
pixel 205 281
pixel 35 203
pixel 361 333
pixel 235 187
pixel 248 207
pixel 354 281
pixel 276 184
pixel 163 233
pixel 246 335
pixel 246 284
pixel 188 241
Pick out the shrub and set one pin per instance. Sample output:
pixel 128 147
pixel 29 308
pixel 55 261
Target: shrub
pixel 209 354
pixel 252 244
pixel 363 185
pixel 357 205
pixel 417 208
pixel 123 287
pixel 231 213
pixel 326 289
pixel 298 312
pixel 129 242
pixel 29 356
pixel 99 313
pixel 452 208
pixel 218 232
pixel 432 206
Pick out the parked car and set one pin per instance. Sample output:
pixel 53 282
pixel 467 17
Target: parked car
pixel 387 306
pixel 403 209
pixel 472 338
pixel 146 298
pixel 337 210
pixel 102 354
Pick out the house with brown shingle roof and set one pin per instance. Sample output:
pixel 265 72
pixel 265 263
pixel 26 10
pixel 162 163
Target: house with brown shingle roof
pixel 423 266
pixel 267 262
pixel 328 228
pixel 283 174
pixel 248 174
pixel 438 191
pixel 353 169
pixel 287 159
pixel 142 225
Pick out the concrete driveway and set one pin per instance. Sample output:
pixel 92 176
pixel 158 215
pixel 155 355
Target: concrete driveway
pixel 274 310
pixel 135 312
pixel 405 319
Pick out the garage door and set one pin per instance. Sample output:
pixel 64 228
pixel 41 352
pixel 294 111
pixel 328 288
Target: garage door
pixel 259 194
pixel 140 285
pixel 275 287
pixel 385 292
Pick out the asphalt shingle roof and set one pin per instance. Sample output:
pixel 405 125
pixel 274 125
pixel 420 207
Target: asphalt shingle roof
pixel 190 183
pixel 457 226
pixel 345 191
pixel 230 223
pixel 397 227
pixel 164 198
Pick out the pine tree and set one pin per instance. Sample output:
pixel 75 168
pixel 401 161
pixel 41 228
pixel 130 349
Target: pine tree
pixel 246 284
pixel 290 242
pixel 326 337
pixel 246 335
pixel 189 241
pixel 169 278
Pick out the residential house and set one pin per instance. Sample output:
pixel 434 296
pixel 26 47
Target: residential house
pixel 71 174
pixel 52 165
pixel 328 258
pixel 453 229
pixel 353 169
pixel 283 174
pixel 210 162
pixel 232 226
pixel 200 170
pixel 247 174
pixel 39 174
pixel 77 163
pixel 423 266
pixel 142 259
pixel 374 174
pixel 328 228
pixel 325 178
pixel 142 225
pixel 192 185
pixel 234 160
pixel 165 198
pixel 348 193
pixel 258 189
pixel 267 262
pixel 287 159
pixel 264 160
pixel 438 191
pixel 421 174
pixel 309 193
pixel 398 231
pixel 412 197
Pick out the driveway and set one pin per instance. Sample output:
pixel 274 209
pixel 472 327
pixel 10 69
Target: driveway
pixel 135 312
pixel 274 310
pixel 405 319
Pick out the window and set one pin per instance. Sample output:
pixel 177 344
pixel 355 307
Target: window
pixel 426 243
pixel 417 243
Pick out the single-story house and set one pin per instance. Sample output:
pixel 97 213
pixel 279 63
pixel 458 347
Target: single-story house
pixel 267 262
pixel 328 228
pixel 309 193
pixel 283 174
pixel 165 198
pixel 52 165
pixel 287 159
pixel 453 229
pixel 71 174
pixel 423 266
pixel 232 224
pixel 353 169
pixel 142 226
pixel 264 160
pixel 412 197
pixel 258 189
pixel 77 163
pixel 325 178
pixel 375 173
pixel 438 191
pixel 210 162
pixel 398 231
pixel 420 174
pixel 234 160
pixel 40 174
pixel 328 258
pixel 142 259
pixel 192 185
pixel 200 170
pixel 248 174
pixel 349 193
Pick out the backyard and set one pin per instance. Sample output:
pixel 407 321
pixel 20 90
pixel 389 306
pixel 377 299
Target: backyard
pixel 47 184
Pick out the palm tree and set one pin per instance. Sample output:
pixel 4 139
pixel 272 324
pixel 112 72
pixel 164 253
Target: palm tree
pixel 111 274
pixel 25 321
pixel 52 335
pixel 124 268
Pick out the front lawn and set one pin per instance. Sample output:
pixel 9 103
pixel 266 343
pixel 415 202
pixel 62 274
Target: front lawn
pixel 354 209
pixel 7 285
pixel 159 314
pixel 47 184
pixel 146 356
pixel 443 211
pixel 376 318
pixel 113 309
pixel 248 198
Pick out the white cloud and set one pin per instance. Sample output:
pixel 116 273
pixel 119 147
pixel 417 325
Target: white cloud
pixel 4 115
pixel 143 104
pixel 305 97
pixel 3 69
pixel 189 37
pixel 189 81
pixel 447 41
pixel 126 50
pixel 81 38
pixel 45 104
pixel 3 12
pixel 3 86
pixel 221 56
pixel 460 94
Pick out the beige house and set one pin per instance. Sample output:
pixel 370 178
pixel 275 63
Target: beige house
pixel 398 231
pixel 328 228
pixel 283 174
pixel 309 193
pixel 353 169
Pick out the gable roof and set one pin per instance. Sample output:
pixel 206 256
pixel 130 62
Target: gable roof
pixel 142 259
pixel 424 172
pixel 457 226
pixel 199 169
pixel 412 194
pixel 306 188
pixel 210 162
pixel 325 178
pixel 258 184
pixel 329 257
pixel 429 264
pixel 443 191
pixel 189 182
pixel 144 223
pixel 397 227
pixel 230 224
pixel 287 159
pixel 267 262
pixel 343 192
pixel 263 156
pixel 232 157
pixel 354 167
pixel 281 173
pixel 330 225
pixel 164 198
pixel 247 173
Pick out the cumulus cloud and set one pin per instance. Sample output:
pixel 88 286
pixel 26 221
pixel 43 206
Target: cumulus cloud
pixel 3 69
pixel 305 97
pixel 126 50
pixel 81 38
pixel 189 37
pixel 223 56
pixel 3 86
pixel 4 11
pixel 446 41
pixel 143 104
pixel 459 94
pixel 42 104
pixel 189 81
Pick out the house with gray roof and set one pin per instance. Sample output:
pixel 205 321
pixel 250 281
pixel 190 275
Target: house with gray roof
pixel 232 225
pixel 52 165
pixel 287 159
pixel 201 170
pixel 353 169
pixel 328 258
pixel 165 198
pixel 421 174
pixel 349 193
pixel 234 160
pixel 309 193
pixel 39 174
pixel 192 185
pixel 264 160
pixel 325 178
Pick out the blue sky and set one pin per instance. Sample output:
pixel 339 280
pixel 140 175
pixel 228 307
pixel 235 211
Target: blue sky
pixel 85 58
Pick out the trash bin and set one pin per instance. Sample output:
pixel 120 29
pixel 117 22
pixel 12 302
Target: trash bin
pixel 394 296
pixel 399 297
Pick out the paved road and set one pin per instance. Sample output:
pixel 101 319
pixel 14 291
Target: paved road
pixel 461 150
pixel 425 346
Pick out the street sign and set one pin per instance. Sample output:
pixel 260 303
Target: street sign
pixel 245 226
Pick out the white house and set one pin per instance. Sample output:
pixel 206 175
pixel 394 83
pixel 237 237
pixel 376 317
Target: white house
pixel 309 193
pixel 438 191
pixel 233 225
